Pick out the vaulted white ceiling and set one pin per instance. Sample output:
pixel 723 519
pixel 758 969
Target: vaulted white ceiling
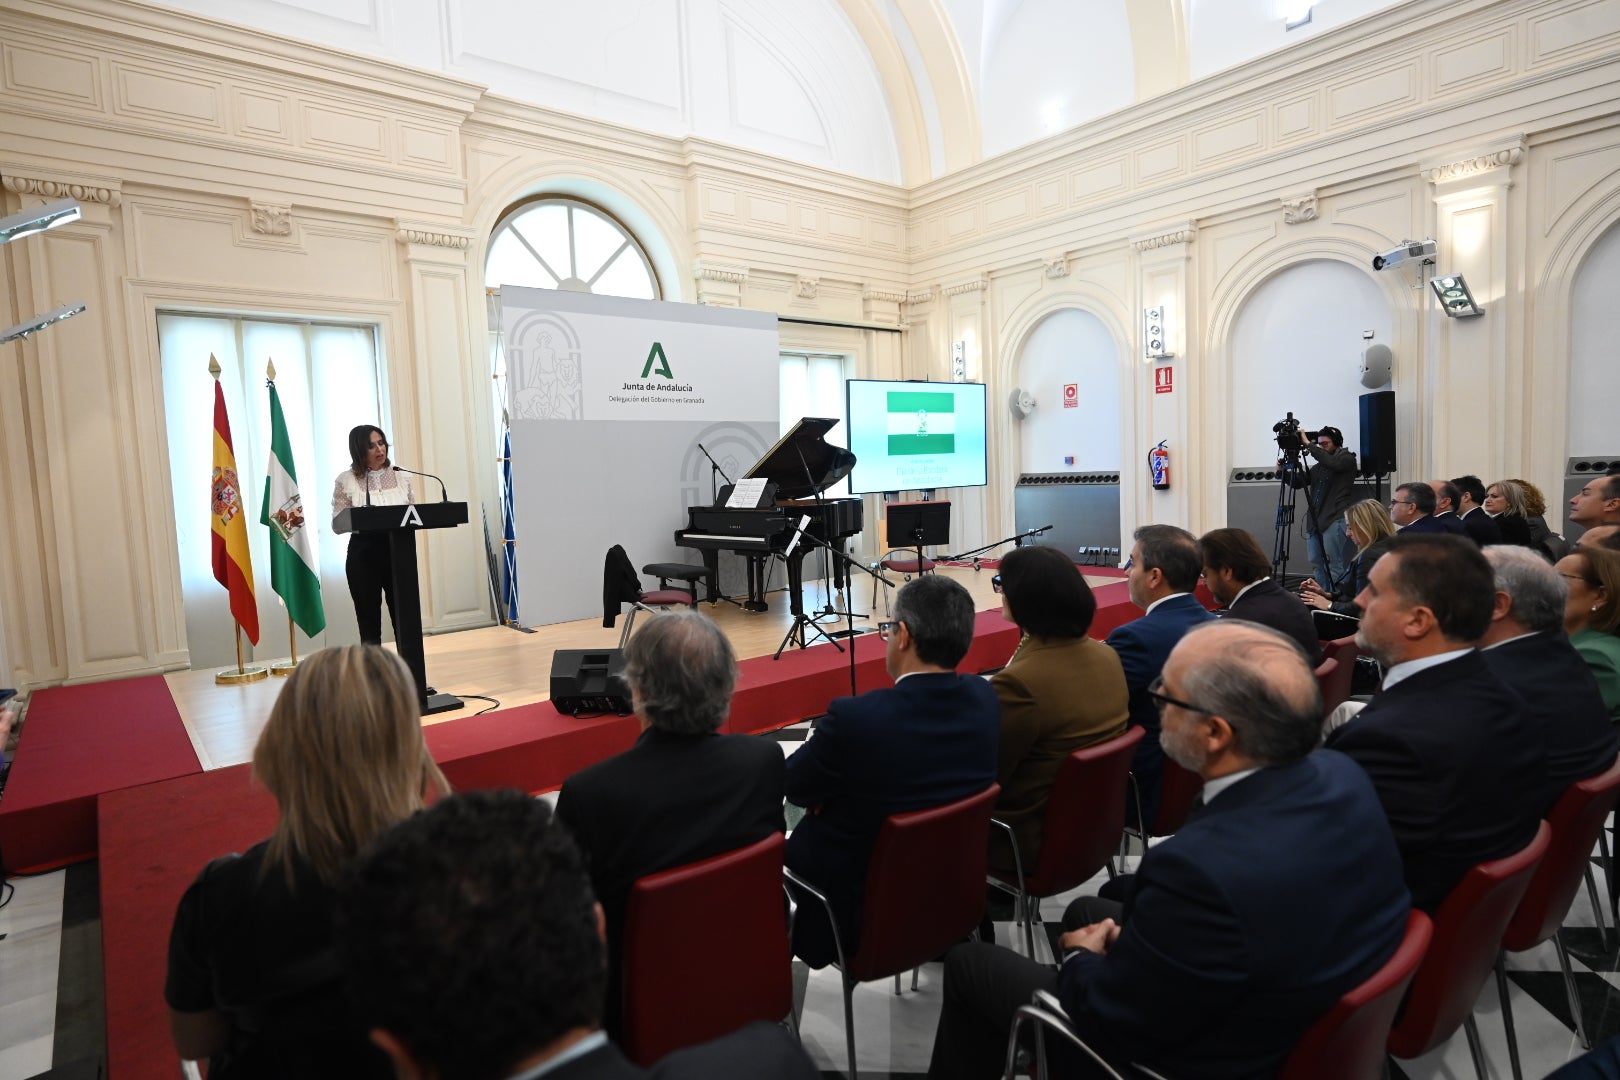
pixel 893 90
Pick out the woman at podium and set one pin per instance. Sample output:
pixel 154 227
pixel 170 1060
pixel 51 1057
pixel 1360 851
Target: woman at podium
pixel 370 480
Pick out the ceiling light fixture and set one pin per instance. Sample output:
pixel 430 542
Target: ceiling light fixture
pixel 36 219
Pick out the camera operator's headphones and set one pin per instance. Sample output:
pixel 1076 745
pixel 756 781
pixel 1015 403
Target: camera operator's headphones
pixel 1335 434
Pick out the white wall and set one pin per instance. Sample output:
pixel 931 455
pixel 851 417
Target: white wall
pixel 1297 347
pixel 1225 33
pixel 1594 353
pixel 1069 346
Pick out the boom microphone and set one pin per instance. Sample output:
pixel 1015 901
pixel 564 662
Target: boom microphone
pixel 444 495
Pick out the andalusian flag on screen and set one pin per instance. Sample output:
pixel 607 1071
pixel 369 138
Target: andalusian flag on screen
pixel 233 564
pixel 293 573
pixel 921 422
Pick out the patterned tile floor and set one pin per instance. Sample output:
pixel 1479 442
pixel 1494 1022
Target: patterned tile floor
pixel 52 1021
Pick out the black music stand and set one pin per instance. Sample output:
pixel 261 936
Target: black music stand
pixel 913 524
pixel 400 524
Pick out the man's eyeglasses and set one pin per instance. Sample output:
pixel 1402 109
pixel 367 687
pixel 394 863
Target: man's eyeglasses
pixel 995 583
pixel 1400 502
pixel 1155 691
pixel 887 629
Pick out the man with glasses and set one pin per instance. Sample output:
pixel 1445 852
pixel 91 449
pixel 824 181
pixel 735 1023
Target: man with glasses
pixel 1162 573
pixel 1412 509
pixel 1279 894
pixel 1456 758
pixel 929 740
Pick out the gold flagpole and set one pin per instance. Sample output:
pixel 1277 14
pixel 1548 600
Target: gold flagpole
pixel 243 672
pixel 282 668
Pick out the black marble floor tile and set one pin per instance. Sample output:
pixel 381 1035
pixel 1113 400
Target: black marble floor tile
pixel 80 1048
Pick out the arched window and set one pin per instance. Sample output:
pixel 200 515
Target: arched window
pixel 558 243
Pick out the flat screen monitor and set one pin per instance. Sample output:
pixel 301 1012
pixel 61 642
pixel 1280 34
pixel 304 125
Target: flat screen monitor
pixel 915 435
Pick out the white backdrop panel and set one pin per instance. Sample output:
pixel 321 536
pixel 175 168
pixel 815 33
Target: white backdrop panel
pixel 605 429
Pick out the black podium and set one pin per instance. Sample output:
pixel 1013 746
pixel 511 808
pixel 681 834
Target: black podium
pixel 401 524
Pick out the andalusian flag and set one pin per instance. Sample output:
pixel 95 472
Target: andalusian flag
pixel 293 573
pixel 233 564
pixel 921 422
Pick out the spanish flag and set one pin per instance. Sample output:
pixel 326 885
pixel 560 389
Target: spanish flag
pixel 233 563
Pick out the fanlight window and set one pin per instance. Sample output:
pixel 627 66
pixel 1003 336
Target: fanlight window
pixel 567 244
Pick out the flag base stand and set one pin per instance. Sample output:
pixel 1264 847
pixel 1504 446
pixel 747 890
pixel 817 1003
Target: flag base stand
pixel 282 668
pixel 236 676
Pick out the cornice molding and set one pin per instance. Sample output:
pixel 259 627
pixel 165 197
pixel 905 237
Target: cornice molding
pixel 735 275
pixel 1186 234
pixel 978 284
pixel 430 235
pixel 1299 209
pixel 100 191
pixel 271 220
pixel 1504 158
pixel 885 296
pixel 918 296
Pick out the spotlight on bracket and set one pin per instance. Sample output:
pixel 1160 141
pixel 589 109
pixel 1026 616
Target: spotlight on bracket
pixel 40 322
pixel 36 219
pixel 1455 299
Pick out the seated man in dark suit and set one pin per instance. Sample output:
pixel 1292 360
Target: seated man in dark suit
pixel 1446 497
pixel 1237 573
pixel 473 949
pixel 1412 509
pixel 1282 893
pixel 929 740
pixel 1471 508
pixel 1526 647
pixel 1162 573
pixel 683 792
pixel 1458 761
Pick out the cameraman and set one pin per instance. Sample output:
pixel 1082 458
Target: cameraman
pixel 1331 493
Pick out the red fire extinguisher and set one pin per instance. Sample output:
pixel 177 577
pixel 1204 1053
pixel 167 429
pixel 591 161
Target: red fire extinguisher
pixel 1159 466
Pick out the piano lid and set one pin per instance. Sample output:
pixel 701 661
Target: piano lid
pixel 802 463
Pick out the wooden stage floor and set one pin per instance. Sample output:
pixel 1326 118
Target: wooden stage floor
pixel 513 667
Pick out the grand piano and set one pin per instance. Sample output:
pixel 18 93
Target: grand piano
pixel 796 470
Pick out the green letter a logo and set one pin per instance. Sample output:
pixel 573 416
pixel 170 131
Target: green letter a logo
pixel 662 369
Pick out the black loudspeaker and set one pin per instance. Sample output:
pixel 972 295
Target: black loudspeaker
pixel 589 681
pixel 1377 455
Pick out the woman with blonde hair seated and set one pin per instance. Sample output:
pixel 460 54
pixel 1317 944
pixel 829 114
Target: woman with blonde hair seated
pixel 1592 616
pixel 1553 545
pixel 1369 527
pixel 253 982
pixel 1508 502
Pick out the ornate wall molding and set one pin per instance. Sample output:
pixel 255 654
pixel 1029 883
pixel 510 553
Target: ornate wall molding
pixel 806 287
pixel 1299 209
pixel 107 192
pixel 271 220
pixel 1186 234
pixel 919 296
pixel 431 237
pixel 1484 163
pixel 885 296
pixel 978 284
pixel 1057 266
pixel 734 275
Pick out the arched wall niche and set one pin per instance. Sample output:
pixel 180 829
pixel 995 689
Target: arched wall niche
pixel 1071 345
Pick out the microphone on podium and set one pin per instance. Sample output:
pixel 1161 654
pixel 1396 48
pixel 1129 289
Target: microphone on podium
pixel 444 496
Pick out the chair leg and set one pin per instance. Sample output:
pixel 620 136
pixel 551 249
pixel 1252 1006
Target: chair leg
pixel 1474 1049
pixel 849 1025
pixel 1570 991
pixel 897 984
pixel 1023 909
pixel 1507 1015
pixel 914 979
pixel 1597 908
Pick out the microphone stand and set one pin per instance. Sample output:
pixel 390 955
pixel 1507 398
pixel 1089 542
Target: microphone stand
pixel 1017 540
pixel 849 632
pixel 716 473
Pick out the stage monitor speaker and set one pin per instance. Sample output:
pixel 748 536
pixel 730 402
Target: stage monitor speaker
pixel 1377 433
pixel 589 681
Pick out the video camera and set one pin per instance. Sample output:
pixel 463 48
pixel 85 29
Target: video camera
pixel 1291 438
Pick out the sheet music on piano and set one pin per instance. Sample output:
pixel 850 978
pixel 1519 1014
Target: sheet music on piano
pixel 747 493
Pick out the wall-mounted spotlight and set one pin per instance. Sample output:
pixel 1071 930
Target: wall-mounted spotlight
pixel 37 219
pixel 40 322
pixel 1455 299
pixel 959 361
pixel 1296 13
pixel 1155 335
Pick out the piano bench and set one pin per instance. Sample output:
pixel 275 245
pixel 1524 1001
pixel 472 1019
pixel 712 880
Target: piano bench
pixel 909 566
pixel 666 572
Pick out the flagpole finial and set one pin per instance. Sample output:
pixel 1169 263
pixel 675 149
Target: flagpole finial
pixel 270 369
pixel 213 366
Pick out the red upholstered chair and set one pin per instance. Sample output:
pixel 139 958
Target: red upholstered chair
pixel 1575 821
pixel 1085 818
pixel 1347 1043
pixel 621 585
pixel 1335 681
pixel 685 983
pixel 924 893
pixel 1178 790
pixel 1468 932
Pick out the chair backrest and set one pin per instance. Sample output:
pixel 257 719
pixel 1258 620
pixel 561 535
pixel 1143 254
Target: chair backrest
pixel 1085 815
pixel 1178 788
pixel 1575 820
pixel 1347 1042
pixel 706 951
pixel 1467 936
pixel 924 885
pixel 620 584
pixel 1335 681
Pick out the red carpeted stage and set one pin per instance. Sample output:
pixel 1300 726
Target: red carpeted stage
pixel 110 771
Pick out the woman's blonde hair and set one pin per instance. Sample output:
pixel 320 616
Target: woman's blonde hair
pixel 1518 499
pixel 1535 503
pixel 344 756
pixel 1371 519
